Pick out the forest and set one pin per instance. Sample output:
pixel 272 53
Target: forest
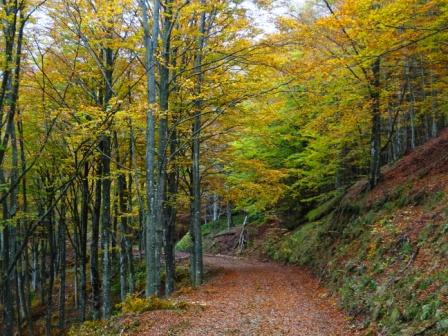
pixel 163 157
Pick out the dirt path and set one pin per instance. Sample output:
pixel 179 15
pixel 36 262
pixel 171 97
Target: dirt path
pixel 252 298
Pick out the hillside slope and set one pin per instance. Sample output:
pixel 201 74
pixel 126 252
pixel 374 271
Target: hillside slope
pixel 384 252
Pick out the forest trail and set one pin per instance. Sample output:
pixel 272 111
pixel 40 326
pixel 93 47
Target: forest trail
pixel 251 298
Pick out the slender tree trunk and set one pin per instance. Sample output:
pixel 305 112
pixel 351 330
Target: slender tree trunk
pixel 9 90
pixel 13 207
pixel 27 265
pixel 75 281
pixel 161 211
pixel 25 278
pixel 76 246
pixel 62 269
pixel 106 226
pixel 196 208
pixel 126 268
pixel 229 215
pixel 19 310
pixel 52 254
pixel 8 315
pixel 113 235
pixel 106 189
pixel 375 147
pixel 35 261
pixel 411 101
pixel 173 185
pixel 83 240
pixel 141 205
pixel 197 269
pixel 215 207
pixel 42 270
pixel 94 270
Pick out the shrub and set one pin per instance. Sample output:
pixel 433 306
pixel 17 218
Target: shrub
pixel 185 244
pixel 136 305
pixel 111 327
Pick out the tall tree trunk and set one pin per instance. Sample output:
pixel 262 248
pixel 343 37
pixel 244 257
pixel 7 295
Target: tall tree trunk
pixel 126 267
pixel 173 185
pixel 375 144
pixel 76 245
pixel 196 235
pixel 13 208
pixel 83 240
pixel 62 268
pixel 106 189
pixel 8 315
pixel 94 270
pixel 152 263
pixel 51 259
pixel 161 211
pixel 25 278
pixel 106 226
pixel 75 281
pixel 134 169
pixel 8 238
pixel 42 269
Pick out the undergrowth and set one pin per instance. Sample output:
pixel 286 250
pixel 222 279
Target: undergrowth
pixel 136 305
pixel 114 326
pixel 119 324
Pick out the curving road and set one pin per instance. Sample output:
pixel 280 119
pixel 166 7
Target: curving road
pixel 252 298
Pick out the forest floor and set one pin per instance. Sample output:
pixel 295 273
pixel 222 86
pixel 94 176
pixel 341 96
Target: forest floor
pixel 246 297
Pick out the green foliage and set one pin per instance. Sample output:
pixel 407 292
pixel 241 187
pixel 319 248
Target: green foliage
pixel 208 231
pixel 112 327
pixel 185 244
pixel 140 275
pixel 309 237
pixel 134 304
pixel 323 209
